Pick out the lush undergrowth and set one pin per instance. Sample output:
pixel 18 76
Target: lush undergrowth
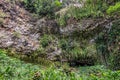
pixel 104 45
pixel 14 69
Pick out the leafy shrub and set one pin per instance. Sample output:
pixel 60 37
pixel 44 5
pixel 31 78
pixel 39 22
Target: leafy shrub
pixel 58 74
pixel 94 73
pixel 91 9
pixel 14 69
pixel 83 57
pixel 45 40
pixel 114 9
pixel 76 55
pixel 88 11
pixel 108 46
pixel 42 7
pixel 2 51
pixel 62 20
pixel 64 44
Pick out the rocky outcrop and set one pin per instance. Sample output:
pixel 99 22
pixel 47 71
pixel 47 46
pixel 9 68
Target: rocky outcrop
pixel 20 31
pixel 15 32
pixel 51 26
pixel 76 27
pixel 47 26
pixel 89 25
pixel 53 51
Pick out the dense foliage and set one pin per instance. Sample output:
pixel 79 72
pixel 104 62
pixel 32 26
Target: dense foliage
pixel 43 7
pixel 105 42
pixel 14 69
pixel 78 54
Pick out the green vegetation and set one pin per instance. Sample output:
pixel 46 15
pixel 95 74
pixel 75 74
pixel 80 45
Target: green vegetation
pixel 46 40
pixel 78 57
pixel 114 9
pixel 62 20
pixel 32 58
pixel 91 9
pixel 2 15
pixel 14 69
pixel 43 7
pixel 77 53
pixel 105 42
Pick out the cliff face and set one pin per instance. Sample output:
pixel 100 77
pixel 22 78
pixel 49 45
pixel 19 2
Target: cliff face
pixel 20 31
pixel 16 26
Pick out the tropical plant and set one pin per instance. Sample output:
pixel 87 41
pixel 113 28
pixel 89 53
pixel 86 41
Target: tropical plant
pixel 114 9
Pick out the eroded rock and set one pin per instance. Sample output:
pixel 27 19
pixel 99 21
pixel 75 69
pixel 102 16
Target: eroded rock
pixel 16 29
pixel 47 26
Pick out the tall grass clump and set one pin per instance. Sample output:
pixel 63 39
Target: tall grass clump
pixel 114 9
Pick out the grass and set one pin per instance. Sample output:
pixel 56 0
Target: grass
pixel 14 69
pixel 114 9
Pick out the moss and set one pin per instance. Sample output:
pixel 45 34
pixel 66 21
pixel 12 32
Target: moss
pixel 2 15
pixel 1 21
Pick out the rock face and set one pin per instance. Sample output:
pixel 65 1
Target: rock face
pixel 51 26
pixel 47 26
pixel 16 29
pixel 19 32
pixel 53 51
pixel 77 26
